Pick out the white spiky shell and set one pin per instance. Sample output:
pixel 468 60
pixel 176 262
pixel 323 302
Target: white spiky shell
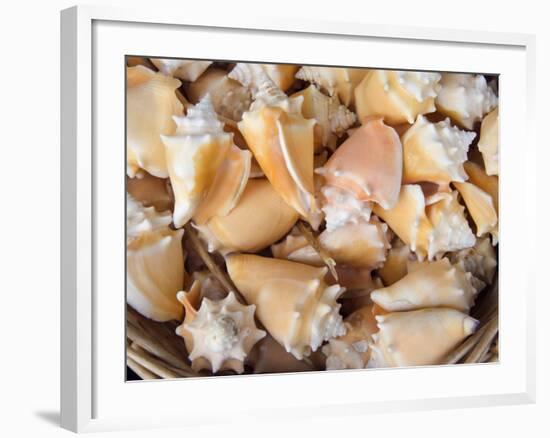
pixel 260 218
pixel 488 142
pixel 351 351
pixel 281 140
pixel 481 207
pixel 397 96
pixel 418 337
pixel 429 284
pixel 188 70
pixel 194 155
pixel 220 334
pixel 334 80
pixel 293 301
pixel 466 98
pixel 368 164
pixel 229 98
pixel 154 260
pixel 435 152
pixel 332 118
pixel 151 102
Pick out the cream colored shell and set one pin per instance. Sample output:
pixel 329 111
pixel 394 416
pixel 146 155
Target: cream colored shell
pixel 395 265
pixel 435 152
pixel 260 218
pixel 418 337
pixel 195 154
pixel 430 284
pixel 397 96
pixel 150 191
pixel 220 335
pixel 466 98
pixel 150 104
pixel 154 263
pixel 188 70
pixel 341 207
pixel 488 142
pixel 480 261
pixel 368 164
pixel 293 301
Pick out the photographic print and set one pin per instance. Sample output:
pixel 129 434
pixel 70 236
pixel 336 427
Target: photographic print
pixel 296 218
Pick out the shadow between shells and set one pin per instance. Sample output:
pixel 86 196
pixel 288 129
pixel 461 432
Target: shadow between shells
pixel 288 218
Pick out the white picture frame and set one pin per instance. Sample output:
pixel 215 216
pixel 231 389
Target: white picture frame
pixel 94 396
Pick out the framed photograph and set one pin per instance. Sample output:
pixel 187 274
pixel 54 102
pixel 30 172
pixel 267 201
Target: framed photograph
pixel 264 211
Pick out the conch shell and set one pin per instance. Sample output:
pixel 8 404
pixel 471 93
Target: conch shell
pixel 351 351
pixel 281 140
pixel 293 301
pixel 220 334
pixel 229 98
pixel 465 98
pixel 154 259
pixel 260 218
pixel 488 142
pixel 418 337
pixel 150 191
pixel 429 284
pixel 332 118
pixel 429 230
pixel 435 152
pixel 252 75
pixel 188 70
pixel 150 104
pixel 195 155
pixel 342 207
pixel 397 96
pixel 368 164
pixel 481 207
pixel 334 80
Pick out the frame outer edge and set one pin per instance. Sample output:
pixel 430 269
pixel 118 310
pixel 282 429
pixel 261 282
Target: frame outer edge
pixel 68 339
pixel 75 178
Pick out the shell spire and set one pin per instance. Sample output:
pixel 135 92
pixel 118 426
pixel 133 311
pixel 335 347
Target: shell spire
pixel 188 70
pixel 220 334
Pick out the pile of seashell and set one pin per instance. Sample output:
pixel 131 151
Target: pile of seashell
pixel 285 218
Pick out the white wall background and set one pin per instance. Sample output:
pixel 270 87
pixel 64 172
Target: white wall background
pixel 29 216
